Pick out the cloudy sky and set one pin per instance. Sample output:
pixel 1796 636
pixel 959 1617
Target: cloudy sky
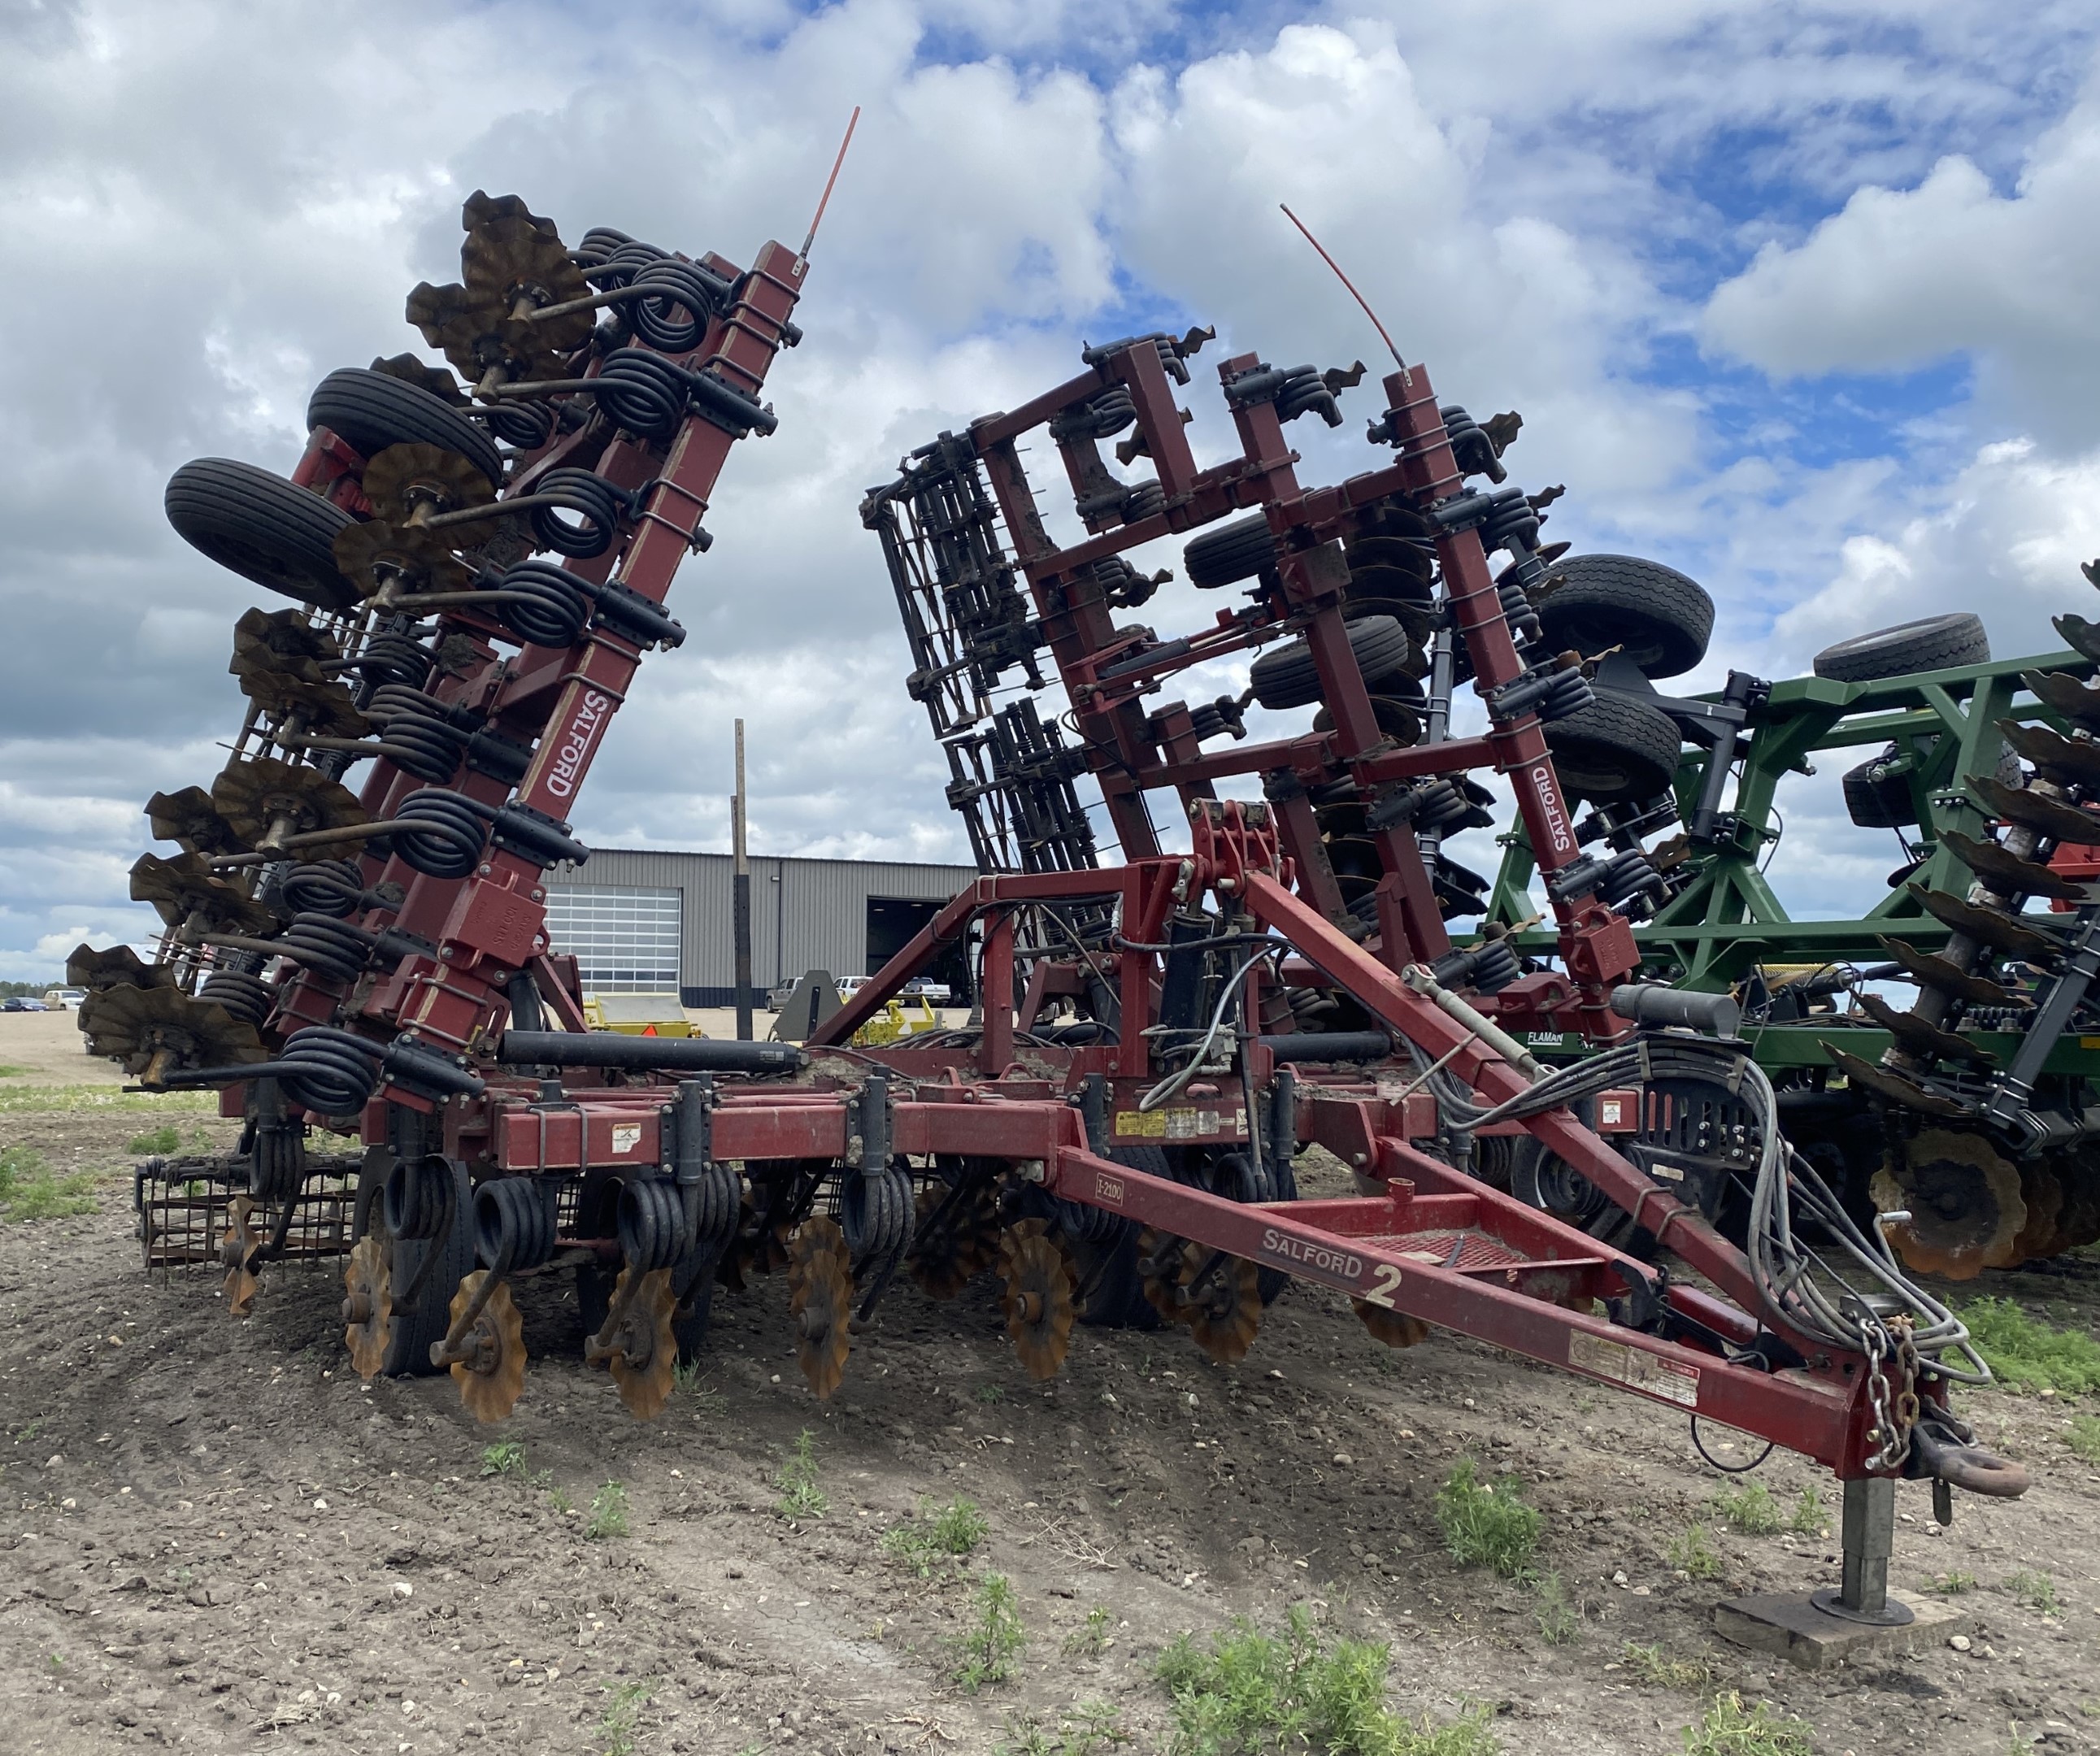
pixel 1803 299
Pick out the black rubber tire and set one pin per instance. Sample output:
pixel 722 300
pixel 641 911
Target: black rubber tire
pixel 1286 677
pixel 1117 1300
pixel 408 1344
pixel 371 410
pixel 1614 749
pixel 1934 643
pixel 1877 801
pixel 1231 553
pixel 1662 618
pixel 263 528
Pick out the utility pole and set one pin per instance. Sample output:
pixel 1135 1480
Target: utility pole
pixel 741 897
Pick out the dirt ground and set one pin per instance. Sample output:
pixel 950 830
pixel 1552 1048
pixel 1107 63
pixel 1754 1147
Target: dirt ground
pixel 212 1536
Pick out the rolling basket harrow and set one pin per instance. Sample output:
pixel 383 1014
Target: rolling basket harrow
pixel 1159 1037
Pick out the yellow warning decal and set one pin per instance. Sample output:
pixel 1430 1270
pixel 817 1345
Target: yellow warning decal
pixel 1634 1369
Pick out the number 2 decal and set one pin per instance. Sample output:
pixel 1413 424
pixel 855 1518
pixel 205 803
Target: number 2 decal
pixel 1381 1292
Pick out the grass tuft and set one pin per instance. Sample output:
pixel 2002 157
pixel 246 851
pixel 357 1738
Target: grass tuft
pixel 1088 1728
pixel 507 1458
pixel 986 1652
pixel 608 1513
pixel 1953 1585
pixel 30 1189
pixel 1487 1525
pixel 167 1138
pixel 2037 1591
pixel 800 1497
pixel 1651 1666
pixel 1807 1519
pixel 2024 1354
pixel 1748 1510
pixel 622 1716
pixel 1253 1692
pixel 932 1539
pixel 1559 1622
pixel 2084 1437
pixel 1693 1553
pixel 1727 1730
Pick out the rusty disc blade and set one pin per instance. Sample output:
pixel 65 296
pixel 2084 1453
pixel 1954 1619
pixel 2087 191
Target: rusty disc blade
pixel 489 1382
pixel 162 1028
pixel 1226 1311
pixel 2008 873
pixel 820 1299
pixel 189 818
pixel 2070 698
pixel 2069 761
pixel 945 1260
pixel 2080 635
pixel 410 477
pixel 1162 1283
pixel 185 887
pixel 1936 972
pixel 2042 1194
pixel 282 641
pixel 1038 1299
pixel 236 1249
pixel 368 554
pixel 256 794
pixel 1994 927
pixel 2044 815
pixel 119 967
pixel 368 1304
pixel 1396 1329
pixel 646 1364
pixel 1919 1037
pixel 326 710
pixel 1893 1087
pixel 1963 1197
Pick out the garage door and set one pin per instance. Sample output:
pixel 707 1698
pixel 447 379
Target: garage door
pixel 625 940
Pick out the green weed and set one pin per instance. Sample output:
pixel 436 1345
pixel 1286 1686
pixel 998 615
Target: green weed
pixel 563 1503
pixel 1953 1585
pixel 1807 1519
pixel 1091 1640
pixel 932 1539
pixel 1693 1554
pixel 2027 1355
pixel 1253 1692
pixel 991 1393
pixel 12 1073
pixel 608 1513
pixel 687 1379
pixel 1727 1730
pixel 1656 1669
pixel 1087 1729
pixel 1554 1612
pixel 2036 1590
pixel 1487 1525
pixel 800 1497
pixel 167 1138
pixel 2084 1437
pixel 1748 1510
pixel 507 1458
pixel 622 1715
pixel 985 1651
pixel 30 1189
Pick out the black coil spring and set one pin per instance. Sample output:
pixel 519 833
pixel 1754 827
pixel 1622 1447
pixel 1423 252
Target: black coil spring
pixel 246 997
pixel 513 1223
pixel 687 289
pixel 1305 391
pixel 1143 500
pixel 624 261
pixel 526 426
pixel 1470 448
pixel 644 392
pixel 419 1193
pixel 597 243
pixel 543 604
pixel 416 732
pixel 330 1072
pixel 651 1224
pixel 394 658
pixel 448 835
pixel 328 947
pixel 326 887
pixel 592 499
pixel 1101 416
pixel 1511 518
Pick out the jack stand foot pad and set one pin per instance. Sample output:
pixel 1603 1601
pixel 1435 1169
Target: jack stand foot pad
pixel 1789 1624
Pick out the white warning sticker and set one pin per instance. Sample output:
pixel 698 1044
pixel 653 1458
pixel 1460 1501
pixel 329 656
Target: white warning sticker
pixel 1634 1369
pixel 626 1136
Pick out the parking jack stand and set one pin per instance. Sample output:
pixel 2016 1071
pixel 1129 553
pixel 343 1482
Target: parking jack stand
pixel 1815 1630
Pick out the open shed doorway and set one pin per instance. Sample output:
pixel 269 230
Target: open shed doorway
pixel 894 922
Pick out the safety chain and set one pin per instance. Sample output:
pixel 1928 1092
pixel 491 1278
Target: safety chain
pixel 1893 1421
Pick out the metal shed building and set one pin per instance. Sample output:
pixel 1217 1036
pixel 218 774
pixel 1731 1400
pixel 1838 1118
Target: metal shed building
pixel 647 921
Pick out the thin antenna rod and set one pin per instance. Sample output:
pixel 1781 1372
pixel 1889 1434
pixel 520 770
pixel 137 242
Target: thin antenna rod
pixel 853 122
pixel 1353 293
